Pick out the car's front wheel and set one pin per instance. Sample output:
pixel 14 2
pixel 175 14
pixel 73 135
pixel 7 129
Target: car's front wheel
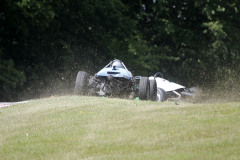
pixel 161 95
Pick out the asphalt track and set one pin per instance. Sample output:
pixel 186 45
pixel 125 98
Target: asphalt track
pixel 7 104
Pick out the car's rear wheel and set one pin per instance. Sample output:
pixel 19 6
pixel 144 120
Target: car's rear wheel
pixel 81 83
pixel 144 88
pixel 153 90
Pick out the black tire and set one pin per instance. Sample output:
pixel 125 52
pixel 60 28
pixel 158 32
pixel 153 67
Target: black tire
pixel 162 96
pixel 144 88
pixel 153 90
pixel 81 83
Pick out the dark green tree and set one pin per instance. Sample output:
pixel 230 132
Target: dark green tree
pixel 43 44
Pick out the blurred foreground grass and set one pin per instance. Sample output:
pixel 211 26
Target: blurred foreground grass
pixel 74 127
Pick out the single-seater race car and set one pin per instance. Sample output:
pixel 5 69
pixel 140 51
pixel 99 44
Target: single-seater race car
pixel 117 81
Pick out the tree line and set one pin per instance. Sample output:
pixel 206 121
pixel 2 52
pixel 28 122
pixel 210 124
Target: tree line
pixel 44 43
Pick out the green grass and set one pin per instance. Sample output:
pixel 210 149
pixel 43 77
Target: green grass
pixel 74 127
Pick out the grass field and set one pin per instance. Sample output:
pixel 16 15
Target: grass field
pixel 74 127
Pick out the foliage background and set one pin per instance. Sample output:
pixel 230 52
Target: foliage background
pixel 44 43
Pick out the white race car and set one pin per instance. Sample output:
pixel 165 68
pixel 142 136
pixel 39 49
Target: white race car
pixel 116 80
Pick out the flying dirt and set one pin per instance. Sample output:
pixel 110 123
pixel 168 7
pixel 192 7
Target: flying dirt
pixel 117 81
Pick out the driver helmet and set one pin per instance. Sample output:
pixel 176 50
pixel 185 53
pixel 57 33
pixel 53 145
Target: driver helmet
pixel 117 63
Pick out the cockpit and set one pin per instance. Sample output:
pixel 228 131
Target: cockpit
pixel 116 63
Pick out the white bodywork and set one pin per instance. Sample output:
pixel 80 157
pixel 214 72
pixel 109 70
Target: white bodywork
pixel 166 85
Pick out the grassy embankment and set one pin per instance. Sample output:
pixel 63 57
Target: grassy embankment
pixel 73 127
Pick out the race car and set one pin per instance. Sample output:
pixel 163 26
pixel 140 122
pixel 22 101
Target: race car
pixel 117 81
